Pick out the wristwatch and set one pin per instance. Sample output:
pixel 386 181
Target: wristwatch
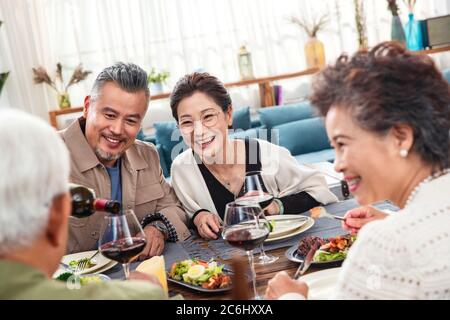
pixel 161 227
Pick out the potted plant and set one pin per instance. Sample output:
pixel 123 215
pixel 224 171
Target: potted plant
pixel 314 48
pixel 156 80
pixel 41 76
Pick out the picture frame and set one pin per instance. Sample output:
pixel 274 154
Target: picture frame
pixel 61 119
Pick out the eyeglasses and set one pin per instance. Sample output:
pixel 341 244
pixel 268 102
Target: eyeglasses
pixel 208 120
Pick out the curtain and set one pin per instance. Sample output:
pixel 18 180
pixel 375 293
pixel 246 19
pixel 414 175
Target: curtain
pixel 179 36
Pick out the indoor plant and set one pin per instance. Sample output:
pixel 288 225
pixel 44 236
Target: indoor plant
pixel 156 80
pixel 314 48
pixel 41 76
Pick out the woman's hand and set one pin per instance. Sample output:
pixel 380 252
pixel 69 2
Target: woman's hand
pixel 208 225
pixel 272 209
pixel 356 218
pixel 282 283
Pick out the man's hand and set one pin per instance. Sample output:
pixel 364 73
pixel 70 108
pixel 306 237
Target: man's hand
pixel 356 218
pixel 208 225
pixel 155 243
pixel 282 283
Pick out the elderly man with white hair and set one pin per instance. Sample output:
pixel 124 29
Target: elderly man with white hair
pixel 34 212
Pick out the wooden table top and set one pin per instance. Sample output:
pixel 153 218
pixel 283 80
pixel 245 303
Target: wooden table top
pixel 263 274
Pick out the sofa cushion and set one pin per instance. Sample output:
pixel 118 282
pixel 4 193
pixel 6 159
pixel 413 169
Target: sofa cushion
pixel 140 135
pixel 274 116
pixel 241 118
pixel 253 133
pixel 303 136
pixel 317 156
pixel 162 161
pixel 169 137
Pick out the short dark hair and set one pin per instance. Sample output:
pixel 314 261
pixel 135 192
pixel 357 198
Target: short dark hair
pixel 199 82
pixel 127 76
pixel 387 86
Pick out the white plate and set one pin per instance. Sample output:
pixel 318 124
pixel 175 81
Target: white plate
pixel 285 224
pixel 321 283
pixel 101 262
pixel 307 225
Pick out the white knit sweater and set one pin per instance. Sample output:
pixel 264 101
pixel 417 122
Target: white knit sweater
pixel 404 256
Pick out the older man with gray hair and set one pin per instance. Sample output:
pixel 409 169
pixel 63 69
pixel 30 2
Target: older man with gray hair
pixel 34 213
pixel 106 157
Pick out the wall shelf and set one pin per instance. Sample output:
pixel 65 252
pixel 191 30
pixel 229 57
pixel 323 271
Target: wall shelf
pixel 264 83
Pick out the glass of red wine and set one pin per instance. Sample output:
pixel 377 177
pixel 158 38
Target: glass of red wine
pixel 243 228
pixel 254 191
pixel 122 239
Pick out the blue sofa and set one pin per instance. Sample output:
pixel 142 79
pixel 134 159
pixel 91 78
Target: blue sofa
pixel 298 129
pixel 292 126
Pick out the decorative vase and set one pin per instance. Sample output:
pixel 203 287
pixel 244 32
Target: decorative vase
pixel 156 88
pixel 314 53
pixel 413 34
pixel 245 64
pixel 63 100
pixel 397 31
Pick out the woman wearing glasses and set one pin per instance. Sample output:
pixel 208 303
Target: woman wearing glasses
pixel 211 173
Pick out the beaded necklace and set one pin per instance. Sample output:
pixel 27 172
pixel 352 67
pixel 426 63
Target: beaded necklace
pixel 431 177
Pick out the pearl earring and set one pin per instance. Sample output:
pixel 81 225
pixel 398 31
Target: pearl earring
pixel 403 153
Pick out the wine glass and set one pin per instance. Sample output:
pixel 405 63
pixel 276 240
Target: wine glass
pixel 243 228
pixel 122 239
pixel 254 191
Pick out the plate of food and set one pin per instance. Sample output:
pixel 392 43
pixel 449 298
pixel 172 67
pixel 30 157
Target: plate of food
pixel 200 275
pixel 331 252
pixel 99 262
pixel 306 224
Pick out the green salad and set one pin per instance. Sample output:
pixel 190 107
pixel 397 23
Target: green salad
pixel 208 275
pixel 335 249
pixel 324 256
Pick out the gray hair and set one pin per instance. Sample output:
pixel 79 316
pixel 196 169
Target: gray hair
pixel 128 76
pixel 34 168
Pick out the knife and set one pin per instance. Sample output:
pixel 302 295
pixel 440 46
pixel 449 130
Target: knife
pixel 281 218
pixel 306 262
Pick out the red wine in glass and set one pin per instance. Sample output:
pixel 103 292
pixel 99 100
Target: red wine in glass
pixel 245 238
pixel 122 251
pixel 253 192
pixel 243 228
pixel 122 239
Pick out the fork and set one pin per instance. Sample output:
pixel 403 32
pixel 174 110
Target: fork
pixel 303 267
pixel 321 212
pixel 81 266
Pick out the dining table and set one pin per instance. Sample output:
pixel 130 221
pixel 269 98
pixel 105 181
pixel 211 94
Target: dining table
pixel 221 251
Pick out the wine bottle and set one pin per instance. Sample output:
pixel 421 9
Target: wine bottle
pixel 84 202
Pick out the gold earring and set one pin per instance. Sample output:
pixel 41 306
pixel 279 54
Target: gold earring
pixel 403 153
